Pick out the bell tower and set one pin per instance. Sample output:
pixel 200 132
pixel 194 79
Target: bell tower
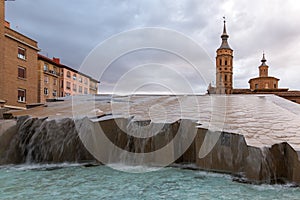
pixel 224 66
pixel 263 68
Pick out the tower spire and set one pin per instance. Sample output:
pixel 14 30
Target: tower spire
pixel 224 37
pixel 263 60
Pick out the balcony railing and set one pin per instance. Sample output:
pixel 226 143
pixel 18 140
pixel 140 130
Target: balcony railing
pixel 52 72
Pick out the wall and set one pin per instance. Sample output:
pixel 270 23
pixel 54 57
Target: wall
pixel 84 83
pixel 52 83
pixel 10 79
pixel 262 81
pixel 2 10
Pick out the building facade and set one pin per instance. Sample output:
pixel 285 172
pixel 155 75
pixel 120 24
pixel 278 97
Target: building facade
pixel 2 21
pixel 264 84
pixel 93 89
pixel 58 80
pixel 264 81
pixel 49 78
pixel 18 65
pixel 29 78
pixel 74 82
pixel 224 65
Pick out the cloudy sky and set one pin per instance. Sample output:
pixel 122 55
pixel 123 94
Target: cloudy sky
pixel 71 29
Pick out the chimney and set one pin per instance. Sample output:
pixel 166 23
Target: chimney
pixel 56 60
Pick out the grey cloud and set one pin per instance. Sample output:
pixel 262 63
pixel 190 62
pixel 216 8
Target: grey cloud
pixel 71 29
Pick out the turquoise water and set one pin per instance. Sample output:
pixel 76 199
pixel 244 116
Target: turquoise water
pixel 101 182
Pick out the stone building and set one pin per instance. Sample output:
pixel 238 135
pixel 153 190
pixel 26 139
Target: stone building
pixel 264 84
pixel 2 21
pixel 224 65
pixel 264 81
pixel 73 82
pixel 93 86
pixel 28 78
pixel 59 80
pixel 18 66
pixel 49 77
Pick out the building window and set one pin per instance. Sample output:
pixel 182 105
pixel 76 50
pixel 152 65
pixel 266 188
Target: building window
pixel 55 81
pixel 74 87
pixel 80 79
pixel 275 85
pixel 54 93
pixel 46 92
pixel 21 72
pixel 74 77
pixel 55 71
pixel 225 62
pixel 85 91
pixel 46 67
pixel 68 74
pixel 21 53
pixel 220 61
pixel 225 78
pixel 46 79
pixel 68 85
pixel 21 95
pixel 62 84
pixel 85 81
pixel 80 89
pixel 256 86
pixel 266 86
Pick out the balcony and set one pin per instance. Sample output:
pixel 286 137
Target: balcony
pixel 51 72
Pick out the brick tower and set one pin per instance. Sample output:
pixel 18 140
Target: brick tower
pixel 224 66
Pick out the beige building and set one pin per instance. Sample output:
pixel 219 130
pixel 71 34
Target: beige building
pixel 27 78
pixel 74 82
pixel 224 65
pixel 18 66
pixel 49 78
pixel 264 81
pixel 93 89
pixel 264 84
pixel 2 21
pixel 58 80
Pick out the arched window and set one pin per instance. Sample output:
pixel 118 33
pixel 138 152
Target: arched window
pixel 220 61
pixel 68 74
pixel 225 78
pixel 226 62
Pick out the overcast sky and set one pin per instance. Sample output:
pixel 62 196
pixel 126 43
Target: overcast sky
pixel 71 29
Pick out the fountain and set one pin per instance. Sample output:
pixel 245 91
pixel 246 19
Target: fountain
pixel 257 142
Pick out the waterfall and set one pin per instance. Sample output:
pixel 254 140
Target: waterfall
pixel 46 141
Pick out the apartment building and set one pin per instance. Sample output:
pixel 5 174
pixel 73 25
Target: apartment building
pixel 58 80
pixel 74 82
pixel 49 78
pixel 18 69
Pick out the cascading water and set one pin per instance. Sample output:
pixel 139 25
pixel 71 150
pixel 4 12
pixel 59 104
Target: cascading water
pixel 46 141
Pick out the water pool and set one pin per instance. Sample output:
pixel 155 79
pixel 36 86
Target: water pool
pixel 67 181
